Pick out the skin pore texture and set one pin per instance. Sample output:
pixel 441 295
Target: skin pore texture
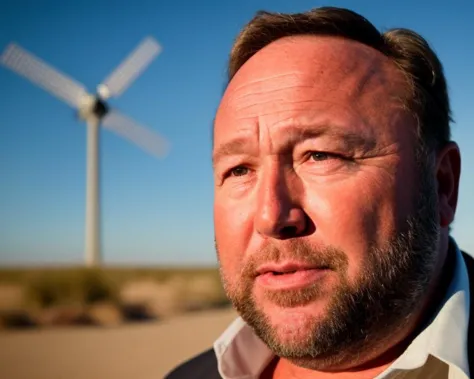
pixel 330 233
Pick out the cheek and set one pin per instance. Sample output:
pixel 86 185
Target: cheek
pixel 233 227
pixel 353 215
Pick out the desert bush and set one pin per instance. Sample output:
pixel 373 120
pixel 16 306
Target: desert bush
pixel 163 289
pixel 81 287
pixel 179 293
pixel 16 319
pixel 44 291
pixel 94 286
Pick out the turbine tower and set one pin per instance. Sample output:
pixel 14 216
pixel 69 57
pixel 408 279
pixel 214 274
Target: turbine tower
pixel 95 112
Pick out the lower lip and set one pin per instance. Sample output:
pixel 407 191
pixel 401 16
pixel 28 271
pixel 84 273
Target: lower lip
pixel 293 280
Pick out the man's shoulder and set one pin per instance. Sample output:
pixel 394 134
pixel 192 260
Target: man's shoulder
pixel 469 259
pixel 470 339
pixel 202 366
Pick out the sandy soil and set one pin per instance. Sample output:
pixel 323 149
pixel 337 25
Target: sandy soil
pixel 140 351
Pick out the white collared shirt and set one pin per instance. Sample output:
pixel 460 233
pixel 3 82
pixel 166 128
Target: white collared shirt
pixel 439 351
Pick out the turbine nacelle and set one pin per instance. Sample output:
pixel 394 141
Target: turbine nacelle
pixel 93 106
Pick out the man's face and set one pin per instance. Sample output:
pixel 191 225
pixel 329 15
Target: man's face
pixel 324 225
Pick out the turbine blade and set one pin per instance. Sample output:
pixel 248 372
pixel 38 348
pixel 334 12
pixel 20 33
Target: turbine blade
pixel 131 67
pixel 31 67
pixel 127 128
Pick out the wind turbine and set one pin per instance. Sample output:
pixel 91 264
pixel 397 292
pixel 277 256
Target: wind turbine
pixel 93 109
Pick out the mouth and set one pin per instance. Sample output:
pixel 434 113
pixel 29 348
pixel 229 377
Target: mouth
pixel 289 275
pixel 287 268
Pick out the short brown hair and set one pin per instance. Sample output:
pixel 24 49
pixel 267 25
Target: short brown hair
pixel 427 98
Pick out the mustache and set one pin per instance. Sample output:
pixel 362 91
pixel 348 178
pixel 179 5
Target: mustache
pixel 328 257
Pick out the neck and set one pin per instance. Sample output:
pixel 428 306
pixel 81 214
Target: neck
pixel 382 358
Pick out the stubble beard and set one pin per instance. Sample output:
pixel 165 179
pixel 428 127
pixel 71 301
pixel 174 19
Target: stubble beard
pixel 360 316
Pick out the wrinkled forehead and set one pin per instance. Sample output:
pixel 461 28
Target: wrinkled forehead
pixel 306 68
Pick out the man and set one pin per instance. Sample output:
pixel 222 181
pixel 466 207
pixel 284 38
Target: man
pixel 335 186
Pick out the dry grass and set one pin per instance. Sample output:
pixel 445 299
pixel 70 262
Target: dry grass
pixel 76 295
pixel 116 274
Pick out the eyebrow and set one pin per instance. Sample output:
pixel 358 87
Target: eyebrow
pixel 352 140
pixel 235 146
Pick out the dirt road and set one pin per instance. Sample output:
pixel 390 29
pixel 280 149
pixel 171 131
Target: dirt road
pixel 140 351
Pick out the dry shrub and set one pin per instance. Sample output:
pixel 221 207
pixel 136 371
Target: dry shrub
pixel 204 292
pixel 16 319
pixel 81 287
pixel 65 315
pixel 162 299
pixel 11 297
pixel 106 314
pixel 176 295
pixel 105 296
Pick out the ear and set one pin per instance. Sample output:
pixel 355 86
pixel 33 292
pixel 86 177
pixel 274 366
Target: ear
pixel 448 171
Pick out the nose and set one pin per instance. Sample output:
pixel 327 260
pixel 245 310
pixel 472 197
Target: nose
pixel 278 214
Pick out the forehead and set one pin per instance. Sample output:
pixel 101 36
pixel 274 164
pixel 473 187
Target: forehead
pixel 305 77
pixel 317 60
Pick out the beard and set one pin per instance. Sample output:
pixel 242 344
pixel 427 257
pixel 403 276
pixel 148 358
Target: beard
pixel 361 315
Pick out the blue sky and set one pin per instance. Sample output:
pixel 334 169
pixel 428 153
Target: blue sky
pixel 160 211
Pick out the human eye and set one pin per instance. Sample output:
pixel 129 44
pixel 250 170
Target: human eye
pixel 237 171
pixel 321 156
pixel 324 162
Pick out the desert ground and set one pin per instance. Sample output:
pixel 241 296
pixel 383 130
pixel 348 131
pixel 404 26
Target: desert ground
pixel 138 351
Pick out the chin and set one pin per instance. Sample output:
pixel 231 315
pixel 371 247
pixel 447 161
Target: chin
pixel 293 325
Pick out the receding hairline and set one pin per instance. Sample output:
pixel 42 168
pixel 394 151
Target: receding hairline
pixel 358 48
pixel 377 62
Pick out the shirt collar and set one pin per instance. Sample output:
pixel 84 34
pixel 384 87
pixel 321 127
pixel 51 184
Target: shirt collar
pixel 241 354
